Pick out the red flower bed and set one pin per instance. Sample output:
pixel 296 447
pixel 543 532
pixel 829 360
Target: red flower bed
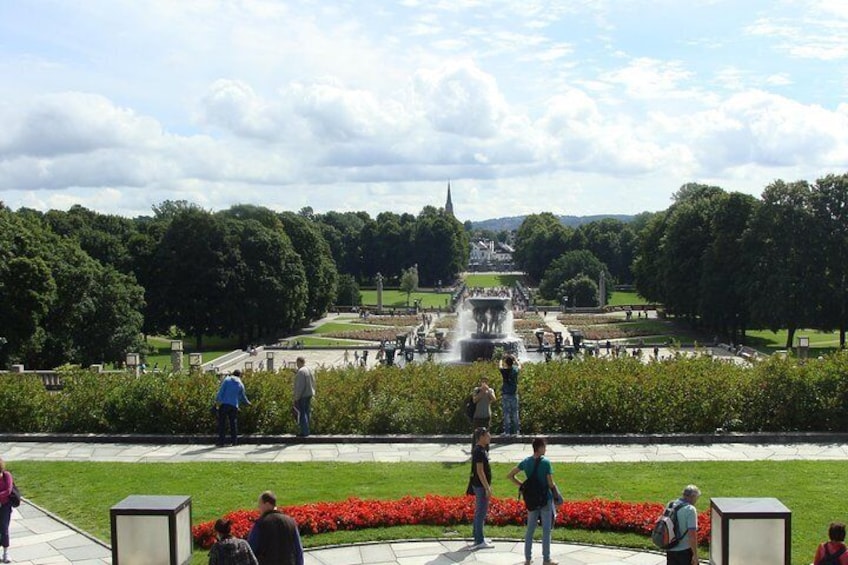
pixel 355 514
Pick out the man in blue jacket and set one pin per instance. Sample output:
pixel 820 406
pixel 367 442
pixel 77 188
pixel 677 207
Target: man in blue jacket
pixel 230 394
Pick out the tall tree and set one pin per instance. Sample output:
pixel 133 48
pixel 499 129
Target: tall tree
pixel 321 273
pixel 409 281
pixel 540 239
pixel 439 246
pixel 830 210
pixel 783 251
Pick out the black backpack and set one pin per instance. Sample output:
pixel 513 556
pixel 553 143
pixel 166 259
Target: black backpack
pixel 470 407
pixel 830 558
pixel 533 491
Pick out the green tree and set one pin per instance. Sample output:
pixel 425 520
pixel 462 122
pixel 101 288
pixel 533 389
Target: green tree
pixel 348 293
pixel 581 291
pixel 189 275
pixel 266 289
pixel 321 273
pixel 539 241
pixel 409 281
pixel 439 245
pixel 568 267
pixel 830 210
pixel 785 253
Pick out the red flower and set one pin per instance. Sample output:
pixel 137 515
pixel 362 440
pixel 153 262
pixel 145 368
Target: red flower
pixel 355 514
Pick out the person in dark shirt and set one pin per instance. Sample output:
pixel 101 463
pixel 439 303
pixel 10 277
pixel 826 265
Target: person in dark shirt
pixel 230 550
pixel 481 482
pixel 509 368
pixel 274 538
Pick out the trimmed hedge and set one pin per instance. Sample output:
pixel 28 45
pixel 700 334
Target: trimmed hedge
pixel 591 396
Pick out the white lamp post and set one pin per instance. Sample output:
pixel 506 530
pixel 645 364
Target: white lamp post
pixel 151 530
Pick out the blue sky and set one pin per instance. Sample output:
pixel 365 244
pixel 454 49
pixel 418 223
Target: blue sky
pixel 576 107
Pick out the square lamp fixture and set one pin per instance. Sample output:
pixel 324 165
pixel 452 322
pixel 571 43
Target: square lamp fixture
pixel 151 530
pixel 176 345
pixel 195 359
pixel 269 355
pixel 749 531
pixel 803 342
pixel 132 359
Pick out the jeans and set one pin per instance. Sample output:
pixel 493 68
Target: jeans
pixel 509 402
pixel 679 557
pixel 481 508
pixel 227 412
pixel 547 514
pixel 304 405
pixel 5 519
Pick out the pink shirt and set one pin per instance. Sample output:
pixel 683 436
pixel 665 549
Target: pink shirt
pixel 6 487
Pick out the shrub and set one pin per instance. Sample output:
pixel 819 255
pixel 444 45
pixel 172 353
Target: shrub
pixel 695 395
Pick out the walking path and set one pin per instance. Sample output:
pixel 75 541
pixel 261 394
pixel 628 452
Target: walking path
pixel 41 539
pixel 422 452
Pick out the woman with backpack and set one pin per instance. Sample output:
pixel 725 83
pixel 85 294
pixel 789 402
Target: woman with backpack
pixel 541 497
pixel 6 484
pixel 833 552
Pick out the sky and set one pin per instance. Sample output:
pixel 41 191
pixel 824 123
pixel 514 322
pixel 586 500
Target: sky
pixel 573 106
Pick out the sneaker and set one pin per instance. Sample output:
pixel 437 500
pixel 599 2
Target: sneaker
pixel 551 562
pixel 486 545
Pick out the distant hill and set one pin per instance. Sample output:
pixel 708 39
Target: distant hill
pixel 514 222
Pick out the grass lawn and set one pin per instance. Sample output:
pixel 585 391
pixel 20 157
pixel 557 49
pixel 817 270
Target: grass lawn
pixel 333 327
pixel 314 341
pixel 393 298
pixel 768 341
pixel 83 492
pixel 214 349
pixel 625 297
pixel 491 280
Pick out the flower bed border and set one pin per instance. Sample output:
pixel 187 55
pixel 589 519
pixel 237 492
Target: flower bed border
pixel 434 510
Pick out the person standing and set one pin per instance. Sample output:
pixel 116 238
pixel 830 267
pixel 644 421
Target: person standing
pixel 509 368
pixel 835 548
pixel 483 396
pixel 538 468
pixel 304 390
pixel 481 482
pixel 6 484
pixel 274 538
pixel 685 552
pixel 230 394
pixel 230 550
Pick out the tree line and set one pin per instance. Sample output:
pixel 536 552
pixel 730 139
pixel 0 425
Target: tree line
pixel 725 261
pixel 82 287
pixel 730 262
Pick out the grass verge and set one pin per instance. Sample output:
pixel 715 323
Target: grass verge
pixel 393 298
pixel 492 280
pixel 83 492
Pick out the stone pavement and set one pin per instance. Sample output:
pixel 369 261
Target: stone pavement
pixel 38 538
pixel 425 452
pixel 456 551
pixel 41 539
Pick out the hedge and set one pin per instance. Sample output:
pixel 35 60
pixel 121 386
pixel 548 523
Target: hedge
pixel 591 396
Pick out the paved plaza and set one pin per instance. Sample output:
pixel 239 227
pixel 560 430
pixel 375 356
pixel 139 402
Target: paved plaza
pixel 41 539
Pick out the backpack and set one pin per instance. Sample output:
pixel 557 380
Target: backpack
pixel 830 558
pixel 470 407
pixel 664 535
pixel 534 493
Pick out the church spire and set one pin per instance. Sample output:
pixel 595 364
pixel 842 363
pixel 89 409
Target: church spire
pixel 449 203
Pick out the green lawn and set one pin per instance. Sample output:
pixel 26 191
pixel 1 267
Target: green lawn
pixel 626 297
pixel 311 341
pixel 333 327
pixel 491 280
pixel 83 492
pixel 393 298
pixel 215 348
pixel 768 341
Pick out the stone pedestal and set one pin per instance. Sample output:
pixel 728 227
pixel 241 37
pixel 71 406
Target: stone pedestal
pixel 177 355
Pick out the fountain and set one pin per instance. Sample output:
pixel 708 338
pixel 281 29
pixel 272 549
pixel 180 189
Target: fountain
pixel 484 324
